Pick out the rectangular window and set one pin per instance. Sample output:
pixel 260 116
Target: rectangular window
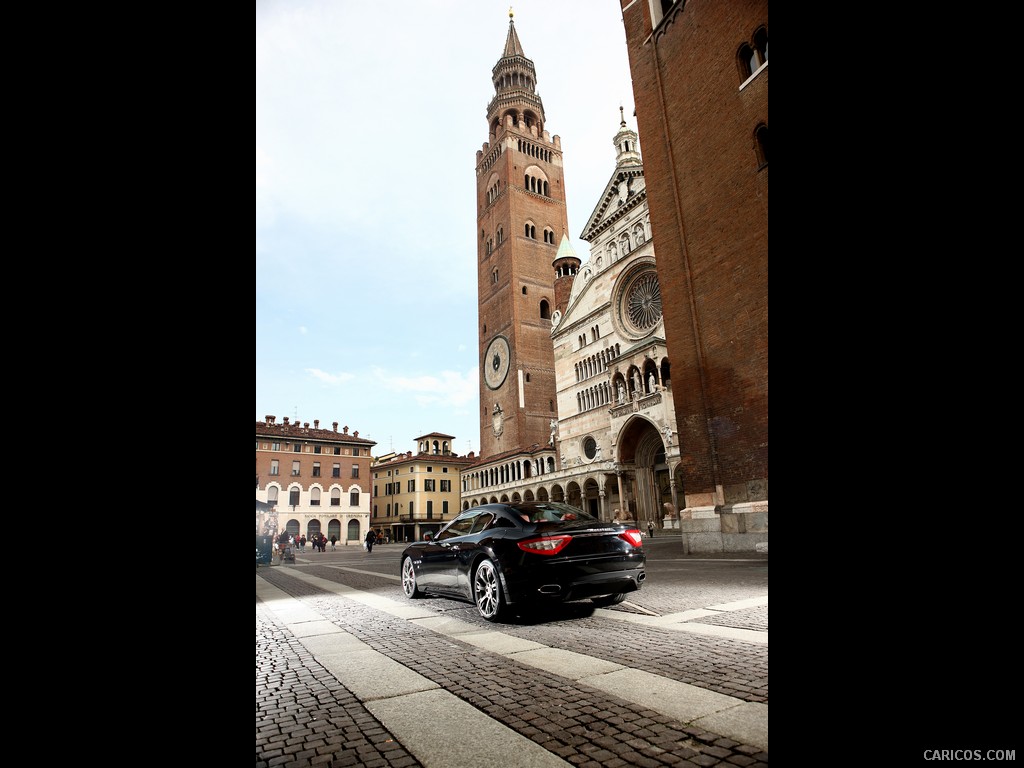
pixel 430 510
pixel 446 486
pixel 355 451
pixel 430 469
pixel 335 501
pixel 298 448
pixel 355 470
pixel 275 446
pixel 411 505
pixel 336 470
pixel 295 469
pixel 412 486
pixel 445 470
pixel 428 484
pixel 353 499
pixel 444 508
pixel 337 450
pixel 316 449
pixel 274 468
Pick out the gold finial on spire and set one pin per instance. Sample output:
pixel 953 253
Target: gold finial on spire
pixel 510 11
pixel 622 118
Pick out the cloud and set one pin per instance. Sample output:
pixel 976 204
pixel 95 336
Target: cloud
pixel 448 387
pixel 330 378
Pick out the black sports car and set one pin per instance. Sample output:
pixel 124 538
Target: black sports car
pixel 526 554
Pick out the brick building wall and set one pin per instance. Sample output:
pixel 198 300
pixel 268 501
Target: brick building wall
pixel 519 184
pixel 708 196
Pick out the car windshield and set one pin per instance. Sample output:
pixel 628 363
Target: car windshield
pixel 553 513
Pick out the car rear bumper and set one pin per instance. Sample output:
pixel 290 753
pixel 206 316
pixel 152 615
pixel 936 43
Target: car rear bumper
pixel 578 587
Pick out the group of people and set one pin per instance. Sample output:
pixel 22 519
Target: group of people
pixel 319 541
pixel 287 543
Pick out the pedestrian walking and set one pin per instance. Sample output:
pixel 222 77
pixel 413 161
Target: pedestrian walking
pixel 334 540
pixel 370 540
pixel 650 529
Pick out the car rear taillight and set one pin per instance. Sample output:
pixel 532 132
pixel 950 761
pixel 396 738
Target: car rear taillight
pixel 633 537
pixel 550 545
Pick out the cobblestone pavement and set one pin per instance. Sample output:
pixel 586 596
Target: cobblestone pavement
pixel 306 717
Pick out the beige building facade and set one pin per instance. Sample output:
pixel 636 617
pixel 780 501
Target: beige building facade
pixel 417 493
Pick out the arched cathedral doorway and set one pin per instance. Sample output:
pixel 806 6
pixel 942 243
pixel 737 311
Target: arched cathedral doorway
pixel 645 479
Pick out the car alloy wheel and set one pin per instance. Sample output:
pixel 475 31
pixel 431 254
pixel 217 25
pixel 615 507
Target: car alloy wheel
pixel 487 591
pixel 409 579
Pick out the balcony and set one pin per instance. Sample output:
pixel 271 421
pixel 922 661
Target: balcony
pixel 416 518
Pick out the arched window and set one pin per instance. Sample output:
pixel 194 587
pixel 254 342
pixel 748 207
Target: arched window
pixel 761 145
pixel 545 310
pixel 761 43
pixel 753 55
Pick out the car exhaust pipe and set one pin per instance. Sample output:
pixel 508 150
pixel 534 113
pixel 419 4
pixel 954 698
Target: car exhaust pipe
pixel 550 589
pixel 641 577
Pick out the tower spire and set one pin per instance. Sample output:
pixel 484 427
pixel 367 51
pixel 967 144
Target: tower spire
pixel 627 147
pixel 512 46
pixel 515 85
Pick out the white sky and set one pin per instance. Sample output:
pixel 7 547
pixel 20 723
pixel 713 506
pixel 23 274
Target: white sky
pixel 368 119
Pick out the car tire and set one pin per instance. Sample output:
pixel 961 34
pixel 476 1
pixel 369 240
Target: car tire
pixel 409 586
pixel 602 601
pixel 487 592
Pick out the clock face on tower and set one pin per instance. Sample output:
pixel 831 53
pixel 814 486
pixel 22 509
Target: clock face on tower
pixel 496 362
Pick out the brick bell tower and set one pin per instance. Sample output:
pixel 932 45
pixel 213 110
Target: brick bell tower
pixel 521 219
